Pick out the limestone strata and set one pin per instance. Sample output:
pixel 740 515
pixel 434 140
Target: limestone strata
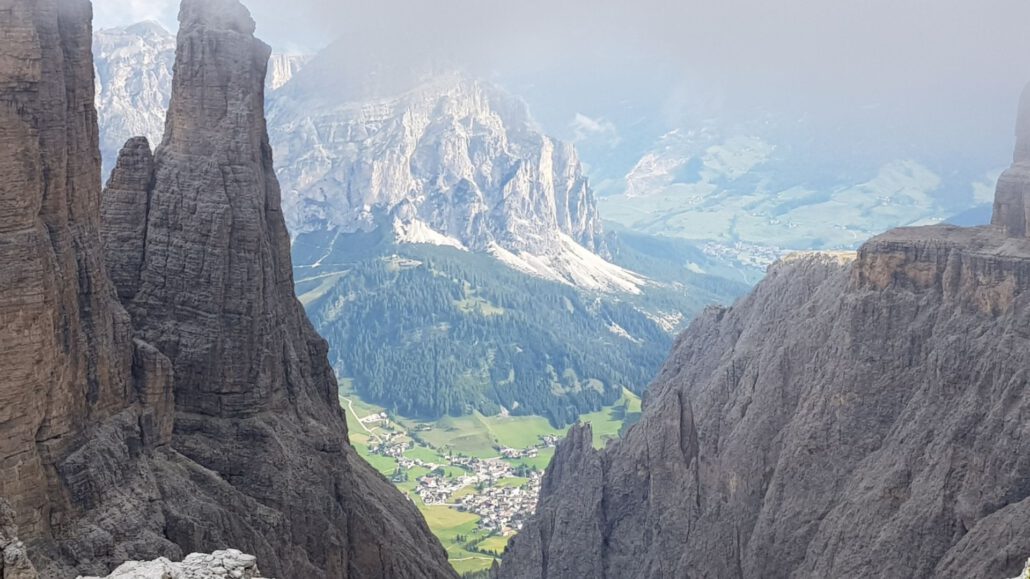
pixel 850 418
pixel 454 155
pixel 100 463
pixel 124 212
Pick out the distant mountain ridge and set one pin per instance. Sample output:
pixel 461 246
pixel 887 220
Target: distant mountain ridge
pixel 454 161
pixel 452 252
pixel 133 66
pixel 771 181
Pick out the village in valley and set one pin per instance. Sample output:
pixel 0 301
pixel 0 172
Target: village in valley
pixel 475 478
pixel 500 493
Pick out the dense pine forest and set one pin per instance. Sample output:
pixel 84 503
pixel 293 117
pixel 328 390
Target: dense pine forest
pixel 427 331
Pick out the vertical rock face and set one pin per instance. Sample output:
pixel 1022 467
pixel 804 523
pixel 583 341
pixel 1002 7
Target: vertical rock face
pixel 259 433
pixel 58 322
pixel 453 155
pixel 282 67
pixel 851 418
pixel 83 406
pixel 1012 201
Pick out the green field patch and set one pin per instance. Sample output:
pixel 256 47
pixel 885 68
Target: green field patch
pixel 427 455
pixel 478 306
pixel 315 287
pixel 384 464
pixel 455 530
pixel 454 471
pixel 467 435
pixel 520 431
pixel 608 423
pixel 462 493
pixel 450 522
pixel 493 544
pixel 471 562
pixel 409 485
pixel 513 482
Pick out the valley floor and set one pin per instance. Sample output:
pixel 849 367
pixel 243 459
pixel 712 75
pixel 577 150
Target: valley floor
pixel 475 478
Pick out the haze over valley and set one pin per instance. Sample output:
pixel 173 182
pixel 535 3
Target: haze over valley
pixel 534 290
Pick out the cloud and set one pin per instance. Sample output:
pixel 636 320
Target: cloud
pixel 922 67
pixel 584 127
pixel 109 13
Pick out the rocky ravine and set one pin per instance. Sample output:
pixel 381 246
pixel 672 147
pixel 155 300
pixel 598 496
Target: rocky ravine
pixel 206 416
pixel 853 417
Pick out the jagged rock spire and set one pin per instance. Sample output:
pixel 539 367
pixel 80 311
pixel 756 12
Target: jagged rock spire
pixel 1012 199
pixel 258 419
pixel 124 214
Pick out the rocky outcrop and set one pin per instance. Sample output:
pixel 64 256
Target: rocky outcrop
pixel 261 461
pixel 14 560
pixel 230 564
pixel 1012 202
pixel 124 212
pixel 853 417
pixel 456 154
pixel 282 68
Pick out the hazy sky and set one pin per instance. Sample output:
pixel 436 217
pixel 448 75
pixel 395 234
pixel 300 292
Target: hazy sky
pixel 933 62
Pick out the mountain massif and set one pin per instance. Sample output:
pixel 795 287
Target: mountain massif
pixel 448 249
pixel 855 416
pixel 453 161
pixel 452 255
pixel 188 404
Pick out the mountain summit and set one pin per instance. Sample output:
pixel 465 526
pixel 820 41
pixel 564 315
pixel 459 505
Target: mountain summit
pixel 453 161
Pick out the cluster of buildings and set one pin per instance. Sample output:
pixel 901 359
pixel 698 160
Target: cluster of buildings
pixel 519 453
pixel 434 489
pixel 371 419
pixel 757 256
pixel 503 509
pixel 393 445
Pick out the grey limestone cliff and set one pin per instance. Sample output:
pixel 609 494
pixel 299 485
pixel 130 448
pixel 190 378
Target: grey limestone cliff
pixel 855 416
